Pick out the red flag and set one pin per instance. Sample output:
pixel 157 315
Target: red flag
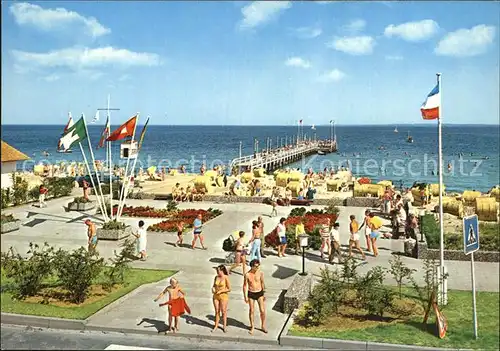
pixel 125 130
pixel 104 134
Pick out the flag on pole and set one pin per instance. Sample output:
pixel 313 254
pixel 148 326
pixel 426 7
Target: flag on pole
pixel 96 117
pixel 75 134
pixel 141 138
pixel 68 125
pixel 104 134
pixel 300 121
pixel 430 107
pixel 125 130
pixel 331 121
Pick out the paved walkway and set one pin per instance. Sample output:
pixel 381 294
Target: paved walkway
pixel 137 311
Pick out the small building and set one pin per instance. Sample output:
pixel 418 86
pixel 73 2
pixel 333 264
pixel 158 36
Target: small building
pixel 10 156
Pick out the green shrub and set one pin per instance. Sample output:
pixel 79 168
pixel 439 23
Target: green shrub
pixel 399 271
pixel 58 187
pixel 77 271
pixel 431 282
pixel 120 265
pixel 331 209
pixel 325 299
pixel 5 198
pixel 114 225
pixel 81 200
pixel 172 206
pixel 372 295
pixel 215 211
pixel 28 274
pixel 431 231
pixel 19 190
pixel 298 212
pixel 315 211
pixel 34 193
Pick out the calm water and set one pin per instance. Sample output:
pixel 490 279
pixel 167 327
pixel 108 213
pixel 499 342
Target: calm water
pixel 191 145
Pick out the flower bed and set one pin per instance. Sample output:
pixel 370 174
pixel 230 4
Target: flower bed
pixel 312 222
pixel 186 216
pixel 144 211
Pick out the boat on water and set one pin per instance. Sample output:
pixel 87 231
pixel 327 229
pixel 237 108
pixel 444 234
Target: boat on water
pixel 59 145
pixel 409 139
pixel 396 130
pixel 321 152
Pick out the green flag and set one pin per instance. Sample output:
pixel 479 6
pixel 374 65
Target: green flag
pixel 75 134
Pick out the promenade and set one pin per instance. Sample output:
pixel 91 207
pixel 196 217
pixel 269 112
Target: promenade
pixel 138 313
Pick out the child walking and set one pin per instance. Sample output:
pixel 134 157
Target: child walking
pixel 180 232
pixel 176 304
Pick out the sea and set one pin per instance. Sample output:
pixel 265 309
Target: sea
pixel 470 152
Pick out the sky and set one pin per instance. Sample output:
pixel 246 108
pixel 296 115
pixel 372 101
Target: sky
pixel 250 63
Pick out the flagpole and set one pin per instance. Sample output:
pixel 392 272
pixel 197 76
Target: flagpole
pixel 298 131
pixel 109 160
pixel 443 283
pixel 126 180
pixel 105 213
pixel 133 167
pixel 92 179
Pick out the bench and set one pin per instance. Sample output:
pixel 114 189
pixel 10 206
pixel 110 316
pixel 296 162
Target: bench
pixel 297 293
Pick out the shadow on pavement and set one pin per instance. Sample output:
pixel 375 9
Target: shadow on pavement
pixel 193 320
pixel 217 260
pixel 160 326
pixel 283 272
pixel 279 305
pixel 230 322
pixel 34 222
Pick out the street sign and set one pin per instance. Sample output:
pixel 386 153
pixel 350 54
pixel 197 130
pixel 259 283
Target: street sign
pixel 471 234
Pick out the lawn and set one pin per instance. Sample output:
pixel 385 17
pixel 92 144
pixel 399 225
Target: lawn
pixel 98 299
pixel 413 332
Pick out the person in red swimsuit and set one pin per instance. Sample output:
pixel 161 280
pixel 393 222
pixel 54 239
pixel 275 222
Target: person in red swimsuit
pixel 176 304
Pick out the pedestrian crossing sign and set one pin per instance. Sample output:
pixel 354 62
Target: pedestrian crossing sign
pixel 471 234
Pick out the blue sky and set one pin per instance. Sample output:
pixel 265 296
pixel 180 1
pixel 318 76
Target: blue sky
pixel 250 62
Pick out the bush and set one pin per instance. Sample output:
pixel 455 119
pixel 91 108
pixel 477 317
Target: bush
pixel 34 193
pixel 114 225
pixel 372 295
pixel 28 274
pixel 58 187
pixel 325 298
pixel 120 265
pixel 431 231
pixel 298 212
pixel 77 270
pixel 81 200
pixel 5 198
pixel 431 283
pixel 399 271
pixel 215 212
pixel 19 190
pixel 7 218
pixel 172 206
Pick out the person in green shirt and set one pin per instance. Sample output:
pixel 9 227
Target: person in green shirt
pixel 299 230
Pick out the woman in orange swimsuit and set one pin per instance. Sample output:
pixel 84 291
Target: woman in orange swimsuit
pixel 220 290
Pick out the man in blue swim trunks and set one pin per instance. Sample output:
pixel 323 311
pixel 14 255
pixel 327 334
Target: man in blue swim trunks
pixel 92 235
pixel 197 232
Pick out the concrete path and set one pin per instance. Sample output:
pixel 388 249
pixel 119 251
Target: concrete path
pixel 137 311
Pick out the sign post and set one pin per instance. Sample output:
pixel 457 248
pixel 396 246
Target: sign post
pixel 471 244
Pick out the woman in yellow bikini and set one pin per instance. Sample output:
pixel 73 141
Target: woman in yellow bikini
pixel 220 290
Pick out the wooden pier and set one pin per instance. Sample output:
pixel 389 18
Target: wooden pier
pixel 274 159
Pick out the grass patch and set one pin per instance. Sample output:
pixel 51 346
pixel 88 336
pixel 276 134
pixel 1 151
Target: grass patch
pixel 57 305
pixel 410 330
pixel 489 238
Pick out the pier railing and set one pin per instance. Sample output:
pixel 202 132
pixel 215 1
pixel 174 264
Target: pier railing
pixel 276 158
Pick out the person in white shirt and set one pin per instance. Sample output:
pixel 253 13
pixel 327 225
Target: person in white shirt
pixel 335 244
pixel 142 240
pixel 281 229
pixel 401 215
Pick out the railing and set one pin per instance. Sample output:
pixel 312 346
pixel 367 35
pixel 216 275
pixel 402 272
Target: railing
pixel 260 160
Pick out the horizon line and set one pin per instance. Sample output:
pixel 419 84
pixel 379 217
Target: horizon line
pixel 425 123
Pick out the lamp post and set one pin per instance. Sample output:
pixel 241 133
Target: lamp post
pixel 304 242
pixel 421 215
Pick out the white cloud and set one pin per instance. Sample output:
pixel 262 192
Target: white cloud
pixel 51 78
pixel 325 2
pixel 393 57
pixel 413 31
pixel 53 19
pixel 355 26
pixel 360 45
pixel 81 58
pixel 260 12
pixel 334 75
pixel 466 42
pixel 297 62
pixel 307 32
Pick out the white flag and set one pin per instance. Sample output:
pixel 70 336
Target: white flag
pixel 96 117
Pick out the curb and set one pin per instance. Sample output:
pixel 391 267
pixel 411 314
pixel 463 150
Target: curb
pixel 82 325
pixel 338 344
